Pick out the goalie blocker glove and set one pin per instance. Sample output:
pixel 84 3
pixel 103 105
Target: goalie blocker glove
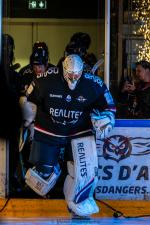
pixel 103 123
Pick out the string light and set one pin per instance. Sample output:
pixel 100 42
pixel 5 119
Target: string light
pixel 141 16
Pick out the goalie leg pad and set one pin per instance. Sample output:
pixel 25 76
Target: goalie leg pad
pixel 82 178
pixel 42 178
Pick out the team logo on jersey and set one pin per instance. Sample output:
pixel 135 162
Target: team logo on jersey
pixel 64 116
pixel 55 96
pixel 81 99
pixel 68 98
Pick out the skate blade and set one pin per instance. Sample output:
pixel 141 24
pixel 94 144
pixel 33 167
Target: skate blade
pixel 77 217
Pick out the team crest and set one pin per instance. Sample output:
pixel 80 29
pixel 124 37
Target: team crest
pixel 68 98
pixel 81 99
pixel 119 147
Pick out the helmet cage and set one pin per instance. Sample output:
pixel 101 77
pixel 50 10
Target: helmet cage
pixel 72 70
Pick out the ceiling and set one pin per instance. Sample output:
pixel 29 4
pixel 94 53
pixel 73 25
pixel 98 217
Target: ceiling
pixel 55 9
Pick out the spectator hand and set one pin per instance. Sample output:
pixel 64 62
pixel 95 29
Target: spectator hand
pixel 128 87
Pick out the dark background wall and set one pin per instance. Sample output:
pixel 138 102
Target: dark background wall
pixel 55 9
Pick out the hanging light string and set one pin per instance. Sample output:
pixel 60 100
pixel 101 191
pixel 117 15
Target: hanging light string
pixel 141 16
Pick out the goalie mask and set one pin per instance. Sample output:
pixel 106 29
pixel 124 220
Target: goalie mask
pixel 72 70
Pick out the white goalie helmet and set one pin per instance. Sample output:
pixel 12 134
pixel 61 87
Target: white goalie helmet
pixel 72 70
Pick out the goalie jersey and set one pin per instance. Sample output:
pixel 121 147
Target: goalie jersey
pixel 62 112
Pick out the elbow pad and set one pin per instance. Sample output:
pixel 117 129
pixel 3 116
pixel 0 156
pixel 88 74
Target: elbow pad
pixel 28 111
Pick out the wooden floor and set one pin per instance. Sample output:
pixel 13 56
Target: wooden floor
pixel 47 212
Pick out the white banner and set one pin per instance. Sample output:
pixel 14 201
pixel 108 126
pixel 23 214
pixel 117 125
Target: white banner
pixel 124 164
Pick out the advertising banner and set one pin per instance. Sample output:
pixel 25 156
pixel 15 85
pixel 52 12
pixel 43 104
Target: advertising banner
pixel 124 163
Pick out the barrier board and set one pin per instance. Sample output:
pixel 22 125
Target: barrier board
pixel 124 162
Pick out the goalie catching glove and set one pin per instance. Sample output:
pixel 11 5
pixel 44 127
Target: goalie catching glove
pixel 103 123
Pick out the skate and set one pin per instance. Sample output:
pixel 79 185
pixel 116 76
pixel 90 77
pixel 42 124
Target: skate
pixel 74 216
